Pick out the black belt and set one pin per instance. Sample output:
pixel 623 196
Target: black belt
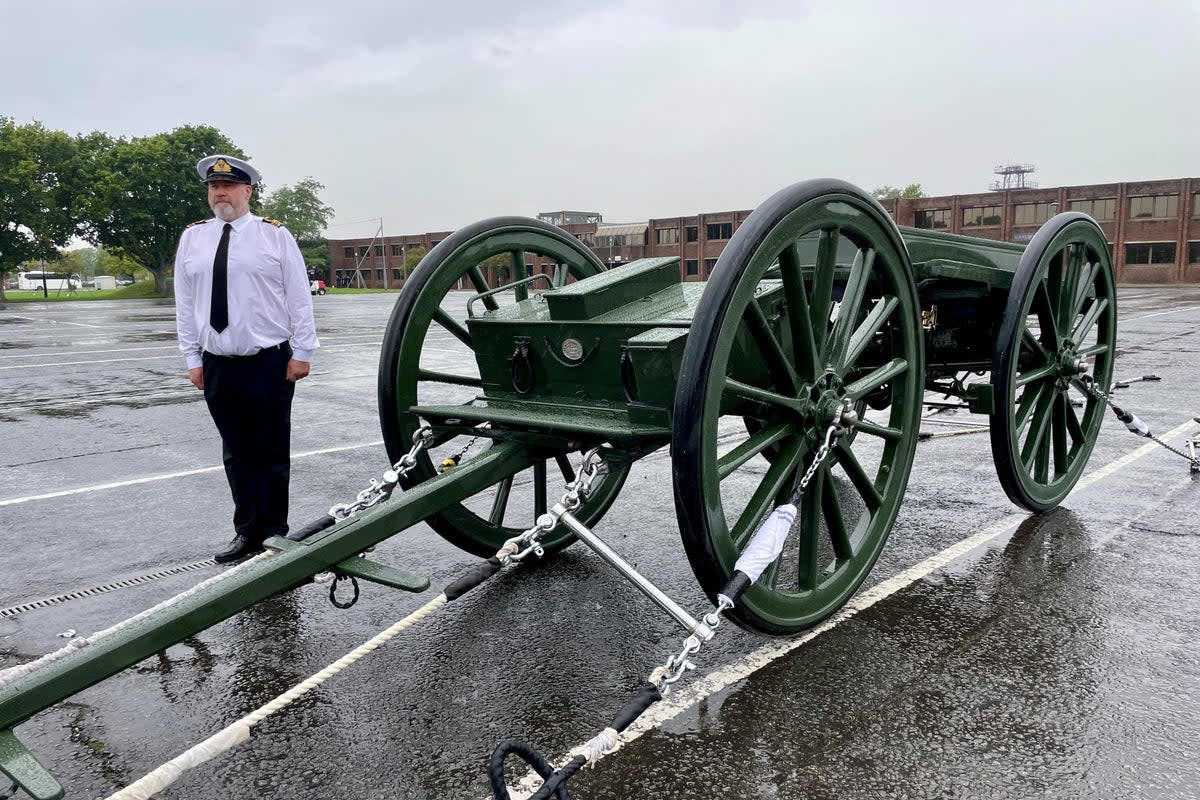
pixel 263 351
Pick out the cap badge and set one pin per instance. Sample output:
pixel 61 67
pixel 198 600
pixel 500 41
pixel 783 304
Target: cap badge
pixel 222 166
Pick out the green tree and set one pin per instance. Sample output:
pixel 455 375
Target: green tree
pixel 300 208
pixel 886 192
pixel 40 183
pixel 147 191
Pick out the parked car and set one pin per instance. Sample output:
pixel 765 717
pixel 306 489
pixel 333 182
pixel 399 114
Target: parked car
pixel 316 287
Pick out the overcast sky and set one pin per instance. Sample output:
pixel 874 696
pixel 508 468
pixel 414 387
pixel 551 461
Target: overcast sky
pixel 431 115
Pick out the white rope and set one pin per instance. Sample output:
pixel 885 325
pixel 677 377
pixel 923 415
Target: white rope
pixel 12 674
pixel 602 744
pixel 239 731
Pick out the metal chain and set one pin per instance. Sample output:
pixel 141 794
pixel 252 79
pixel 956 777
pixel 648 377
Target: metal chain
pixel 681 663
pixel 835 430
pixel 379 490
pixel 1089 385
pixel 519 547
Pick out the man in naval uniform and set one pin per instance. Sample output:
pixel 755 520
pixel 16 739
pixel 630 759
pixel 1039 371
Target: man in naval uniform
pixel 245 321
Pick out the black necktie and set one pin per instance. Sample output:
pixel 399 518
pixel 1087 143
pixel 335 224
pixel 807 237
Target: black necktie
pixel 218 308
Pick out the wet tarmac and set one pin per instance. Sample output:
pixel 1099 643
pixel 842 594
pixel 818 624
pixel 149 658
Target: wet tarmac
pixel 1058 658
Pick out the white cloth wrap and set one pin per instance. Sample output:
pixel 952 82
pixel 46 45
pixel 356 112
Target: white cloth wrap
pixel 767 542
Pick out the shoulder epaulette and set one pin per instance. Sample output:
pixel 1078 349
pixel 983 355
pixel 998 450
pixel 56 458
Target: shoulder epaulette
pixel 274 222
pixel 197 222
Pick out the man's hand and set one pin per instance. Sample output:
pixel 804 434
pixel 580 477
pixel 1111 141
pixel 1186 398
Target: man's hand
pixel 296 370
pixel 196 376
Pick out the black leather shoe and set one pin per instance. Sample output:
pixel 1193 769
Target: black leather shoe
pixel 240 547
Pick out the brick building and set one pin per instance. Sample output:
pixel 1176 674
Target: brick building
pixel 1153 228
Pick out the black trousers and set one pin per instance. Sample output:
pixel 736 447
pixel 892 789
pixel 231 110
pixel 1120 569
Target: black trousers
pixel 250 400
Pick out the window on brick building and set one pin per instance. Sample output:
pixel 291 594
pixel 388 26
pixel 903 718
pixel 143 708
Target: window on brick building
pixel 362 250
pixel 397 250
pixel 693 268
pixel 1194 252
pixel 709 264
pixel 1196 205
pixel 693 233
pixel 1154 206
pixel 667 236
pixel 979 216
pixel 379 277
pixel 932 218
pixel 1150 253
pixel 720 230
pixel 396 275
pixel 348 252
pixel 1032 213
pixel 1105 208
pixel 379 251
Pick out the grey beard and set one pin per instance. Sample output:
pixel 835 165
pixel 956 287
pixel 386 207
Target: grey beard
pixel 225 211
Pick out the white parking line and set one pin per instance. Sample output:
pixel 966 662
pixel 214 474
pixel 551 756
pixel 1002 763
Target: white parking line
pixel 1159 314
pixel 718 680
pixel 169 476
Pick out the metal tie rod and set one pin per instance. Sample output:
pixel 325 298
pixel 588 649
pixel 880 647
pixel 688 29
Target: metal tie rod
pixel 690 625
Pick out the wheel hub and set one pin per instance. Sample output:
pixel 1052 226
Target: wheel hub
pixel 826 405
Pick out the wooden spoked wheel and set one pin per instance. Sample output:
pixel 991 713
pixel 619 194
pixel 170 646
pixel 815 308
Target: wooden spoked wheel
pixel 428 358
pixel 811 307
pixel 1060 324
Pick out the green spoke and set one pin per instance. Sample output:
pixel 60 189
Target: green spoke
pixel 560 275
pixel 1085 283
pixel 1035 374
pixel 799 316
pixel 1028 403
pixel 1031 341
pixel 865 333
pixel 448 322
pixel 763 499
pixel 1094 350
pixel 1089 319
pixel 769 344
pixel 822 293
pixel 564 466
pixel 445 377
pixel 1059 431
pixel 517 259
pixel 729 463
pixel 1041 300
pixel 500 504
pixel 749 392
pixel 1073 426
pixel 875 379
pixel 882 431
pixel 810 533
pixel 1037 427
pixel 1073 264
pixel 475 275
pixel 862 482
pixel 852 297
pixel 539 489
pixel 1041 462
pixel 843 548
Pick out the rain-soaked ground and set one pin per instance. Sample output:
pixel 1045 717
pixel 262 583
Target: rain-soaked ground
pixel 1057 658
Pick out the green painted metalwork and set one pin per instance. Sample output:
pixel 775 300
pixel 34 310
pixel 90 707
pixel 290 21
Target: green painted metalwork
pixel 780 364
pixel 1061 321
pixel 23 769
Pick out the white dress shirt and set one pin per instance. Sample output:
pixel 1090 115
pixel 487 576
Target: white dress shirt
pixel 268 294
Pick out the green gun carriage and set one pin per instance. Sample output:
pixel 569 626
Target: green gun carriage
pixel 807 356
